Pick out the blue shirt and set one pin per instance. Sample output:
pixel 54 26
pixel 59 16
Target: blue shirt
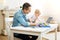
pixel 20 19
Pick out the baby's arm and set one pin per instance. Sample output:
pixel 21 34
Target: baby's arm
pixel 31 20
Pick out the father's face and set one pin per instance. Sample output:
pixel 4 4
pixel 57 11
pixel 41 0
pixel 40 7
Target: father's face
pixel 28 10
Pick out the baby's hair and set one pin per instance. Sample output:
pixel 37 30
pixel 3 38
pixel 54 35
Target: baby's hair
pixel 37 11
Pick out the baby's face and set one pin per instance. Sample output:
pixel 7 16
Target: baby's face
pixel 37 13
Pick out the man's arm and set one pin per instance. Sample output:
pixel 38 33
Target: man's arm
pixel 23 22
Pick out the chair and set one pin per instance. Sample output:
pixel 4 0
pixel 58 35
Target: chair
pixel 8 25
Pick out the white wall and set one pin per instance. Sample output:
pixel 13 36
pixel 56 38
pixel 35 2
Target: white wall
pixel 47 7
pixel 53 9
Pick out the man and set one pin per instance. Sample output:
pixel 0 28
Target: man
pixel 20 19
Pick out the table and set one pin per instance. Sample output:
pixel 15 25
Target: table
pixel 27 30
pixel 30 31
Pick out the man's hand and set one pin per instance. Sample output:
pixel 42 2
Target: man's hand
pixel 33 24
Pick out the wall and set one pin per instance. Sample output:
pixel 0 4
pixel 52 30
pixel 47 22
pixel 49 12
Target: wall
pixel 1 4
pixel 1 1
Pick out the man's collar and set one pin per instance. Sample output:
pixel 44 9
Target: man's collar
pixel 23 12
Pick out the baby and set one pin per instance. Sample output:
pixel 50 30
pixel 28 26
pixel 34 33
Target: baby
pixel 35 16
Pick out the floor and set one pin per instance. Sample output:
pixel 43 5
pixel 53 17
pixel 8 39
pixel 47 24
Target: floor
pixel 51 36
pixel 3 37
pixel 6 38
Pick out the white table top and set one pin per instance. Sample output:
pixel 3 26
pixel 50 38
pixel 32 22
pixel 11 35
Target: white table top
pixel 35 29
